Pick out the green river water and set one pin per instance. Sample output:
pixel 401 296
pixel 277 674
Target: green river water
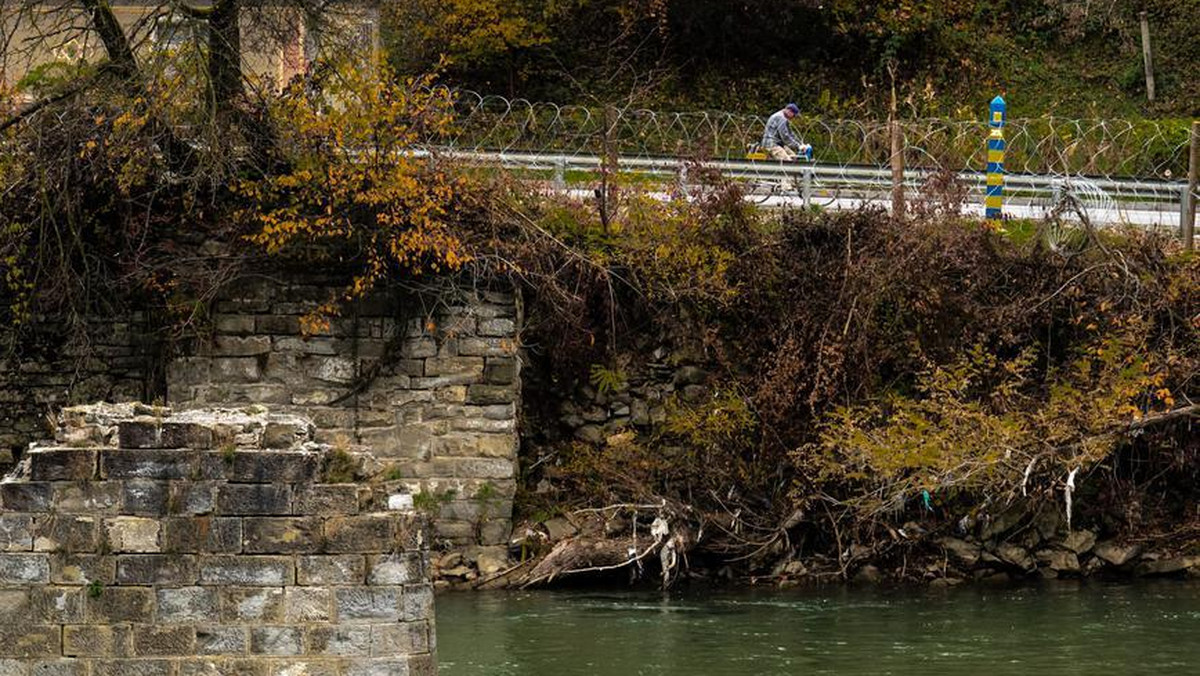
pixel 1060 628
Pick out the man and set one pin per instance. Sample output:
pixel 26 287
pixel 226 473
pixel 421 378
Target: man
pixel 778 140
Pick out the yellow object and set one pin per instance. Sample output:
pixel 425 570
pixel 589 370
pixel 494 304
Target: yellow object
pixel 995 179
pixel 996 156
pixel 994 201
pixel 756 155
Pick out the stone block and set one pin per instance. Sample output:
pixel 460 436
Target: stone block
pixel 156 569
pixel 193 498
pixel 62 464
pixel 419 348
pixel 16 532
pixel 276 641
pixel 26 497
pixel 29 640
pixel 344 569
pixel 500 327
pixel 474 468
pixel 338 640
pixel 133 668
pixel 326 499
pixel 203 534
pixel 249 571
pixel 140 432
pixel 156 641
pixel 439 382
pixel 148 464
pixel 89 640
pixel 236 370
pixel 14 603
pixel 308 604
pixel 143 497
pixel 279 534
pixel 498 446
pixel 188 604
pixel 235 325
pixel 20 569
pixel 254 499
pixel 363 533
pixel 184 372
pixel 55 605
pixel 90 497
pixel 186 435
pixel 112 605
pixel 393 569
pixel 82 569
pixel 376 667
pixel 306 667
pixel 274 466
pixel 279 434
pixel 58 667
pixel 317 346
pixel 448 366
pixel 491 394
pixel 398 640
pixel 259 604
pixel 487 347
pixel 417 603
pixel 65 533
pixel 241 346
pixel 222 640
pixel 132 534
pixel 368 604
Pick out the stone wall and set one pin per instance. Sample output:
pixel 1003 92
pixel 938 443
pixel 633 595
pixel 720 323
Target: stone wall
pixel 428 381
pixel 47 370
pixel 144 543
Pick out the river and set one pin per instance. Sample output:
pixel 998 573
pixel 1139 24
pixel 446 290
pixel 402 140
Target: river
pixel 1052 628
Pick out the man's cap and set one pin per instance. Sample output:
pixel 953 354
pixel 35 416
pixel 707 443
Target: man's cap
pixel 794 108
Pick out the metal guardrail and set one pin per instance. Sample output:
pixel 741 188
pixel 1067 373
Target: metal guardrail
pixel 1104 200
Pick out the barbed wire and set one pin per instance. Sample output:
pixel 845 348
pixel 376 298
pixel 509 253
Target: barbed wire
pixel 1144 149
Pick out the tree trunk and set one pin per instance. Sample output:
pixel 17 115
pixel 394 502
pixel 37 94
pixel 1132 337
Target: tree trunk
pixel 225 57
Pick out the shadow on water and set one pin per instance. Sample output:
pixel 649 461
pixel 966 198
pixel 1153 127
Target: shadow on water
pixel 1059 628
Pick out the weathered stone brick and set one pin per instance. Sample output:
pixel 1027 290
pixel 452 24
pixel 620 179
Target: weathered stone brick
pixel 111 605
pixel 26 497
pixel 203 534
pixel 58 667
pixel 156 569
pixel 419 348
pixel 239 346
pixel 396 640
pixel 285 433
pixel 474 468
pixel 30 640
pixel 277 324
pixel 447 366
pixel 148 464
pixel 62 464
pixel 344 569
pixel 16 532
pixel 490 394
pixel 274 466
pixel 394 569
pixel 326 499
pixel 14 603
pixel 368 604
pixel 276 641
pixel 487 347
pixel 55 605
pixel 188 604
pixel 65 533
pixel 90 497
pixel 236 370
pixel 497 327
pixel 305 667
pixel 279 534
pixel 143 497
pixel 418 602
pixel 90 640
pixel 144 432
pixel 191 497
pixel 308 604
pixel 258 604
pixel 155 641
pixel 132 534
pixel 250 571
pixel 362 533
pixel 132 668
pixel 376 667
pixel 81 569
pixel 191 435
pixel 338 640
pixel 254 499
pixel 234 324
pixel 222 640
pixel 16 569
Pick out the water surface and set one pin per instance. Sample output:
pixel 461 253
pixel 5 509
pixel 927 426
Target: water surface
pixel 1061 628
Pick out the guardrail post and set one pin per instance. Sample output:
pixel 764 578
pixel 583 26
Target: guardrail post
pixel 1187 221
pixel 994 200
pixel 560 173
pixel 806 189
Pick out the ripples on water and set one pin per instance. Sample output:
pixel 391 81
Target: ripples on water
pixel 1063 628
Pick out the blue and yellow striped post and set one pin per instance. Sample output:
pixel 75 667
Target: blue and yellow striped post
pixel 994 202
